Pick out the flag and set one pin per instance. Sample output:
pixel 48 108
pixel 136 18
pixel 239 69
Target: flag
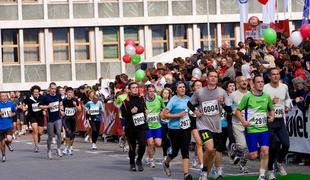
pixel 269 11
pixel 305 16
pixel 243 6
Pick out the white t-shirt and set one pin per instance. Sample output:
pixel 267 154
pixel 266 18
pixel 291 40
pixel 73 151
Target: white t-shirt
pixel 246 71
pixel 236 98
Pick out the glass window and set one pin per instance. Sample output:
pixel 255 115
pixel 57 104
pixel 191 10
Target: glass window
pixel 201 7
pixel 133 8
pixel 159 39
pixel 157 7
pixel 61 45
pixel 132 32
pixel 228 33
pixel 297 24
pixel 110 42
pixel 31 45
pixel 229 7
pixel 253 7
pixel 180 37
pixel 10 48
pixel 108 8
pixel 8 1
pixel 297 5
pixel 83 10
pixel 182 7
pixel 82 44
pixel 204 35
pixel 8 12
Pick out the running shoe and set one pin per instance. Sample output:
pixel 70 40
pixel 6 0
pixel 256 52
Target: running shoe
pixel 59 152
pixel 93 146
pixel 214 173
pixel 70 152
pixel 10 147
pixel 219 172
pixel 86 138
pixel 261 178
pixel 203 175
pixel 232 152
pixel 166 168
pixel 65 151
pixel 188 177
pixel 126 148
pixel 281 169
pixel 49 154
pixel 243 169
pixel 271 175
pixel 236 160
pixel 54 140
pixel 3 158
pixel 133 167
pixel 140 166
pixel 152 163
pixel 36 149
pixel 195 162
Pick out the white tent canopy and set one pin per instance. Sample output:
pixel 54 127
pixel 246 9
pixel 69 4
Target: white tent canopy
pixel 167 57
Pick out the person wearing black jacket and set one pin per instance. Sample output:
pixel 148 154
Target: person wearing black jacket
pixel 133 111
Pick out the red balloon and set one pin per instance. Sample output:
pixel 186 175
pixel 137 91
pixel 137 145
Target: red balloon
pixel 305 31
pixel 264 2
pixel 254 21
pixel 127 58
pixel 130 42
pixel 139 49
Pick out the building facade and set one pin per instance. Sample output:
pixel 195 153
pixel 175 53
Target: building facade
pixel 73 42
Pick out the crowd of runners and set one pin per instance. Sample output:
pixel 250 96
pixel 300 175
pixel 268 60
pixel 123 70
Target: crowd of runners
pixel 236 104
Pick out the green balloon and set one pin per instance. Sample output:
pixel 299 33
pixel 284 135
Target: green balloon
pixel 135 59
pixel 270 35
pixel 139 75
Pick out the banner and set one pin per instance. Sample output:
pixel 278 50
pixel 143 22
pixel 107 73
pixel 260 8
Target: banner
pixel 243 6
pixel 254 32
pixel 298 126
pixel 282 26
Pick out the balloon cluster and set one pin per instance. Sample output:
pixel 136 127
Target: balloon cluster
pixel 298 36
pixel 132 55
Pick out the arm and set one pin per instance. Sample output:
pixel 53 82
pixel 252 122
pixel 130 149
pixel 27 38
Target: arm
pixel 167 115
pixel 77 105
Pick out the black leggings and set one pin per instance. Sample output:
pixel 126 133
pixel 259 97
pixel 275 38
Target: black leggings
pixel 95 127
pixel 70 126
pixel 179 139
pixel 279 144
pixel 165 139
pixel 133 136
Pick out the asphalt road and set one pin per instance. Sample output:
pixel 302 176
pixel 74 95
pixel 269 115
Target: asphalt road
pixel 108 162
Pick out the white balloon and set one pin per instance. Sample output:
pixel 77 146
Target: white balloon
pixel 296 38
pixel 130 50
pixel 196 73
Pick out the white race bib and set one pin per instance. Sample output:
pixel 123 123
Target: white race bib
pixel 185 122
pixel 6 112
pixel 279 111
pixel 94 111
pixel 152 118
pixel 138 119
pixel 259 120
pixel 35 107
pixel 69 111
pixel 210 108
pixel 55 106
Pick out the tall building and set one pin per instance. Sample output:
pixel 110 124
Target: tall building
pixel 73 42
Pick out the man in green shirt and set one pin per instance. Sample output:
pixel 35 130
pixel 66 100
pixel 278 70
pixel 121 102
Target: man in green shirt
pixel 257 106
pixel 154 105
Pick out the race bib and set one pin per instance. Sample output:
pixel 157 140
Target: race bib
pixel 279 111
pixel 94 111
pixel 152 118
pixel 259 120
pixel 54 106
pixel 138 119
pixel 35 107
pixel 70 111
pixel 6 112
pixel 185 122
pixel 210 108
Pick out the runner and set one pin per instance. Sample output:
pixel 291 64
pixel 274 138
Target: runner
pixel 154 104
pixel 20 114
pixel 279 139
pixel 94 109
pixel 7 111
pixel 133 110
pixel 89 97
pixel 16 125
pixel 69 106
pixel 179 129
pixel 35 115
pixel 50 102
pixel 257 105
pixel 206 104
pixel 239 150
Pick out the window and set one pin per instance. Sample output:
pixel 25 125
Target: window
pixel 157 7
pixel 8 1
pixel 180 37
pixel 132 32
pixel 133 8
pixel 31 45
pixel 204 35
pixel 297 24
pixel 82 44
pixel 110 42
pixel 61 45
pixel 108 8
pixel 228 33
pixel 182 7
pixel 10 48
pixel 160 38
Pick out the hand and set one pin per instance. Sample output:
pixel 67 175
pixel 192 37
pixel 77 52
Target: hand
pixel 134 110
pixel 220 99
pixel 74 103
pixel 198 113
pixel 245 123
pixel 276 100
pixel 270 120
pixel 182 114
pixel 287 109
pixel 299 99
